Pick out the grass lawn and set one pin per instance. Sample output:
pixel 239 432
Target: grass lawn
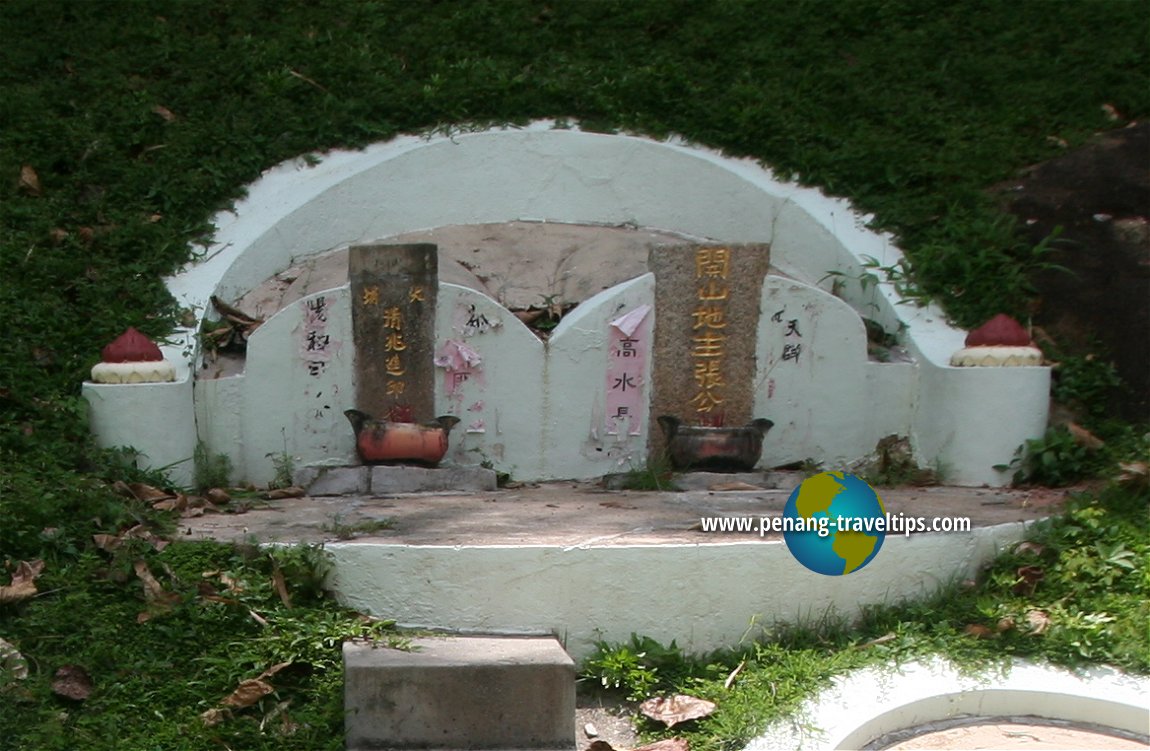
pixel 125 125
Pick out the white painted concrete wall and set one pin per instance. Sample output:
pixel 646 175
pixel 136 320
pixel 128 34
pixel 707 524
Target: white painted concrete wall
pixel 156 419
pixel 704 596
pixel 968 419
pixel 541 403
pixel 828 402
pixel 852 713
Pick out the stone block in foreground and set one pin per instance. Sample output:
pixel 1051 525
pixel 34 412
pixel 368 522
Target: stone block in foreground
pixel 460 692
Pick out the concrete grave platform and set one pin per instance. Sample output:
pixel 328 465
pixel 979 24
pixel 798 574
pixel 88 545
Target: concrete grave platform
pixel 460 692
pixel 590 564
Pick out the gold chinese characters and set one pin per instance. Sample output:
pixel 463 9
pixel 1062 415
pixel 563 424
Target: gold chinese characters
pixel 708 339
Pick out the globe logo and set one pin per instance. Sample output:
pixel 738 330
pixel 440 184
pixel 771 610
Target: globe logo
pixel 834 523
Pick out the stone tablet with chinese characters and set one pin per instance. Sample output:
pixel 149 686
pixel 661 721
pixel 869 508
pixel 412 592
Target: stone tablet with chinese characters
pixel 707 300
pixel 393 290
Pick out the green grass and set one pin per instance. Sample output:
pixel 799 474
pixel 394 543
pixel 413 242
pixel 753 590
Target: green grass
pixel 153 679
pixel 133 122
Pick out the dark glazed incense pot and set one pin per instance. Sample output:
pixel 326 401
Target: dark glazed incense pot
pixel 692 447
pixel 384 442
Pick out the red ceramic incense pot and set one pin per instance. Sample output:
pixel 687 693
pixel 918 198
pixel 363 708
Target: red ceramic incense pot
pixel 386 442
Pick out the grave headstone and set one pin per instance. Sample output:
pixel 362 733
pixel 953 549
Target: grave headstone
pixel 394 290
pixel 707 300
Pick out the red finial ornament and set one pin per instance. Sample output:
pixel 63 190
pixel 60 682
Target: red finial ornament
pixel 131 346
pixel 1002 330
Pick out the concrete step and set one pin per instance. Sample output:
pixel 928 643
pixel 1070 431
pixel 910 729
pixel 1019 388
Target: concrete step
pixel 460 692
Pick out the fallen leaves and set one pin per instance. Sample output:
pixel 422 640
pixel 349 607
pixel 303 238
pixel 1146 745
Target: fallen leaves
pixel 1028 579
pixel 12 662
pixel 159 600
pixel 730 681
pixel 166 114
pixel 162 500
pixel 23 583
pixel 978 631
pixel 1038 620
pixel 29 180
pixel 247 693
pixel 1134 474
pixel 1084 437
pixel 110 543
pixel 1027 547
pixel 72 682
pixel 677 709
pixel 1036 623
pixel 280 584
pixel 281 493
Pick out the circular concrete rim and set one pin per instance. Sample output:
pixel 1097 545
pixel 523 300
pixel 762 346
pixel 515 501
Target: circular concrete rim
pixel 867 705
pixel 918 731
pixel 969 419
pixel 543 173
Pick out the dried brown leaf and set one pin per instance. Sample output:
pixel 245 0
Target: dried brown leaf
pixel 107 542
pixel 72 682
pixel 1028 578
pixel 233 585
pixel 278 711
pixel 248 693
pixel 280 585
pixel 147 493
pixel 734 674
pixel 1005 624
pixel 1039 621
pixel 889 636
pixel 214 717
pixel 234 315
pixel 218 496
pixel 159 600
pixel 23 583
pixel 1084 437
pixel 1136 474
pixel 677 709
pixel 528 316
pixel 29 180
pixel 281 493
pixel 274 669
pixel 179 503
pixel 978 631
pixel 1029 548
pixel 153 590
pixel 12 662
